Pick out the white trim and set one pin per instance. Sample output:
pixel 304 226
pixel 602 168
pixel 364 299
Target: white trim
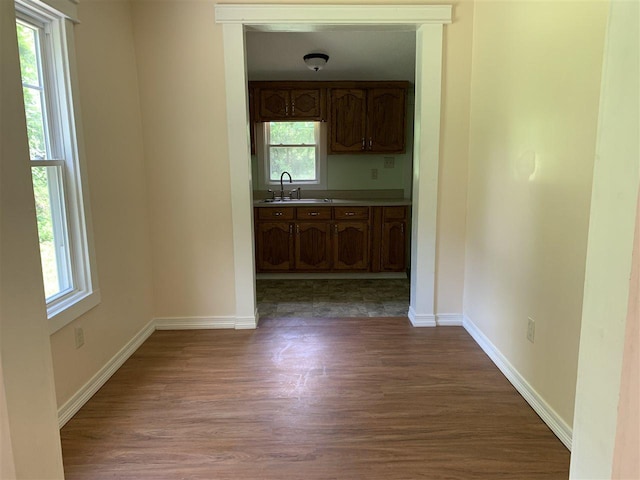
pixel 194 323
pixel 428 21
pixel 332 14
pixel 449 319
pixel 548 415
pixel 418 320
pixel 82 396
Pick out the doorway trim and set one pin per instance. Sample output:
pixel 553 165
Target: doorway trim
pixel 428 22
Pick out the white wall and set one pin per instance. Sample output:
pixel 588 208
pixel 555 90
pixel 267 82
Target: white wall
pixel 108 83
pixel 609 254
pixel 534 109
pixel 25 353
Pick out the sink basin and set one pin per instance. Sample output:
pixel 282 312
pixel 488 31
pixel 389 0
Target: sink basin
pixel 296 201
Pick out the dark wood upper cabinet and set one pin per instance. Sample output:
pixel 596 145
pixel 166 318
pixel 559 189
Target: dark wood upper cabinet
pixel 280 103
pixel 386 119
pixel 367 120
pixel 348 124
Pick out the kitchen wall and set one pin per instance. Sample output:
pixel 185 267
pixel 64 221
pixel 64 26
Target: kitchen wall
pixel 534 112
pixel 117 185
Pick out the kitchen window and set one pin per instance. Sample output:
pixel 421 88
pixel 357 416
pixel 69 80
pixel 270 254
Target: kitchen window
pixel 70 283
pixel 295 147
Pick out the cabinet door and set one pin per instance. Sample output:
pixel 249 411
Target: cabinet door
pixel 347 120
pixel 351 246
pixel 274 246
pixel 386 120
pixel 307 104
pixel 393 246
pixel 273 104
pixel 312 247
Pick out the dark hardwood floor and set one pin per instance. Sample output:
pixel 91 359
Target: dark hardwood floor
pixel 355 398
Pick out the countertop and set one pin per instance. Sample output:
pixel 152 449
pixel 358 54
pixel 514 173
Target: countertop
pixel 335 202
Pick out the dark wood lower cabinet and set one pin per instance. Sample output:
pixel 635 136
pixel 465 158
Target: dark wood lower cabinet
pixel 351 246
pixel 313 246
pixel 393 246
pixel 340 239
pixel 274 246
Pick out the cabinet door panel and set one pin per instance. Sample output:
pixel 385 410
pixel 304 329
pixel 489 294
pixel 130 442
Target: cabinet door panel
pixel 306 104
pixel 274 246
pixel 274 104
pixel 351 246
pixel 386 120
pixel 312 246
pixel 393 246
pixel 348 120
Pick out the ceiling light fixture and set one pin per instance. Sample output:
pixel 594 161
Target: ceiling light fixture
pixel 315 61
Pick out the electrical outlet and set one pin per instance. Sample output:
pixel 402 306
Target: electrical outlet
pixel 531 329
pixel 374 174
pixel 79 337
pixel 389 162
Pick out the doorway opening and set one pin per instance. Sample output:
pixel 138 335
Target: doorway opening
pixel 427 21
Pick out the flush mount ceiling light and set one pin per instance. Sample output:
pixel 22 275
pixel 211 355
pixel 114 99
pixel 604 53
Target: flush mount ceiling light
pixel 315 61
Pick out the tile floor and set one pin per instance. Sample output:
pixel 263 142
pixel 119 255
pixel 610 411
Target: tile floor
pixel 332 298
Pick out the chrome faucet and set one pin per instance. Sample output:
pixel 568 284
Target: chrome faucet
pixel 281 185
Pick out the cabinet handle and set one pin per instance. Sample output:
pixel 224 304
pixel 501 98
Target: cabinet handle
pixel 293 109
pixel 349 214
pixel 290 229
pixel 313 214
pixel 402 228
pixel 363 143
pixel 335 228
pixel 370 143
pixel 297 229
pixel 286 109
pixel 277 214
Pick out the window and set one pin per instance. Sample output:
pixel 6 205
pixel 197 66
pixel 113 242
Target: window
pixel 295 147
pixel 69 285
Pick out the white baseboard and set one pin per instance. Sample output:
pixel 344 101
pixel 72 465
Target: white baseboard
pixel 194 323
pixel 449 319
pixel 421 320
pixel 533 398
pixel 75 403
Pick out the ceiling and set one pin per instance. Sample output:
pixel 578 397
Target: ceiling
pixel 353 55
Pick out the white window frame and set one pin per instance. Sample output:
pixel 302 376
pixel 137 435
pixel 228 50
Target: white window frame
pixel 63 110
pixel 262 152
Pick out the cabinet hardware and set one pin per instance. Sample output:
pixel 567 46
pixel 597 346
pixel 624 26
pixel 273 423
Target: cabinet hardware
pixel 349 214
pixel 363 143
pixel 277 214
pixel 335 227
pixel 370 143
pixel 297 229
pixel 313 214
pixel 402 228
pixel 290 229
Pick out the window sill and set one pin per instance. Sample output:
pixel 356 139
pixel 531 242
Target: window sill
pixel 66 312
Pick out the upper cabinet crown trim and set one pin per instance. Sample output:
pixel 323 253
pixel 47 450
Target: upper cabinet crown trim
pixel 286 17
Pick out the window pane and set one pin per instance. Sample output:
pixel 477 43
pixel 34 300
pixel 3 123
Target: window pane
pixel 292 133
pixel 35 123
pixel 29 58
pixel 300 162
pixel 30 66
pixel 54 245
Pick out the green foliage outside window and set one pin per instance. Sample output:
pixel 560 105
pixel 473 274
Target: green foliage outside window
pixel 292 148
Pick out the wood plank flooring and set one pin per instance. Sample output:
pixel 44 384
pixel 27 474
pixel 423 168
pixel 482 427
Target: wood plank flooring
pixel 312 399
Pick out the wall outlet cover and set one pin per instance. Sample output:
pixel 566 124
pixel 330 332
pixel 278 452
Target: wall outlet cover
pixel 389 162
